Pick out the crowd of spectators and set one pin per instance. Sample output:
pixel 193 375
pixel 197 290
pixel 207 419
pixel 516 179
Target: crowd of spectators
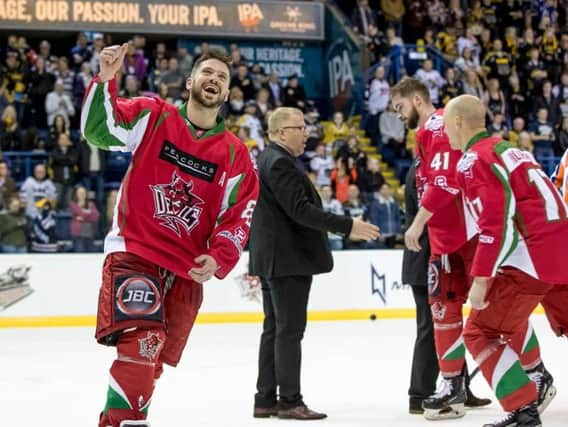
pixel 512 54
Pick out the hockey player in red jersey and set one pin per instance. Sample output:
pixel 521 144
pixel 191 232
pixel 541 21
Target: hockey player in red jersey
pixel 451 248
pixel 521 218
pixel 182 216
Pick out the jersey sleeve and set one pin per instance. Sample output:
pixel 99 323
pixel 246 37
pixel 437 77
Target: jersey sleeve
pixel 234 220
pixel 112 123
pixel 489 193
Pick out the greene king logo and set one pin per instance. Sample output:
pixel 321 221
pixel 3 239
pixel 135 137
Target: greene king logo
pixel 176 206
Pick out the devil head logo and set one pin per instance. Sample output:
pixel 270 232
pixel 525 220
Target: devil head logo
pixel 176 206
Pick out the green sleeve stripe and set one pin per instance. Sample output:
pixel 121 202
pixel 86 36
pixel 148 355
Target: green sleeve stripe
pixel 235 191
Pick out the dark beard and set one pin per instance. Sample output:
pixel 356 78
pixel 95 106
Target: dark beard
pixel 195 95
pixel 412 121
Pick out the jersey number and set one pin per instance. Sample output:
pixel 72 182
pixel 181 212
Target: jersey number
pixel 441 161
pixel 551 203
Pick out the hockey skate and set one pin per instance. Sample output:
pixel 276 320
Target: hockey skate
pixel 526 416
pixel 447 403
pixel 544 386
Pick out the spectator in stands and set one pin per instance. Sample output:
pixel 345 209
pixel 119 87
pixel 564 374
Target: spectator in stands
pixel 8 187
pixel 134 63
pixel 314 130
pixel 45 53
pixel 468 41
pixel 414 20
pixel 547 100
pixel 393 11
pixel 185 61
pixel 329 204
pixel 84 221
pixel 243 82
pixel 494 99
pixel 377 46
pixel 109 211
pixel 352 153
pixel 58 127
pixel 489 17
pixel 156 74
pixel 294 94
pixel 517 99
pixel 275 89
pixel 524 142
pixel 13 228
pixel 173 79
pixel 342 176
pixel 452 88
pixel 561 139
pixel 81 52
pixel 322 164
pixel 336 132
pixel 92 165
pixel 58 102
pixel 542 135
pixel 498 64
pixel 37 187
pixel 41 83
pixel 354 208
pixel 379 94
pixel 362 17
pixel 498 126
pixel 535 71
pixel 251 120
pixel 432 79
pixel 82 80
pixel 13 83
pixel 511 14
pixel 43 227
pixel 236 101
pixel 258 77
pixel 392 131
pixel 98 46
pixel 263 102
pixel 63 163
pixel 472 84
pixel 515 132
pixel 66 76
pixel 131 88
pixel 10 131
pixel 372 180
pixel 466 62
pixel 384 212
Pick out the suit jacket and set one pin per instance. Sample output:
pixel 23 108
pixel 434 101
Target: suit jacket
pixel 288 236
pixel 414 264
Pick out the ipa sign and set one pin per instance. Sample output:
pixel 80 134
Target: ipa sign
pixel 261 19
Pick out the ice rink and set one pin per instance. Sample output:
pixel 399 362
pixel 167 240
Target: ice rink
pixel 356 371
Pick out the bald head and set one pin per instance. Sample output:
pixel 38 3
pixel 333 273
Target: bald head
pixel 464 116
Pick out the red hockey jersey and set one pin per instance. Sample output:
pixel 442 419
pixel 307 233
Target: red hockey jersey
pixel 182 195
pixel 522 219
pixel 437 188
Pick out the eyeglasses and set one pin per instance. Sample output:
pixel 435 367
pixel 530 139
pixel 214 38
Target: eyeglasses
pixel 301 128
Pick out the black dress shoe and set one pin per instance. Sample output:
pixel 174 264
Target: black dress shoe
pixel 265 412
pixel 472 401
pixel 300 412
pixel 415 406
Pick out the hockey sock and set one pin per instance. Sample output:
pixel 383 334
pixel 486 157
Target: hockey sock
pixel 448 328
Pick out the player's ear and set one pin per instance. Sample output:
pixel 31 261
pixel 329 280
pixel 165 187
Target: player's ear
pixel 188 83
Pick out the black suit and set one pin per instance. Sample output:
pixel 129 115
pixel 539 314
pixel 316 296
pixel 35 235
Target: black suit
pixel 288 244
pixel 415 273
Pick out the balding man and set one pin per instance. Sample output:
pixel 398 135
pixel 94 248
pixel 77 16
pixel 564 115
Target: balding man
pixel 288 245
pixel 520 218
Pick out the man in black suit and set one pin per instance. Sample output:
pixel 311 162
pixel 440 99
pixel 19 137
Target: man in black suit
pixel 424 371
pixel 288 244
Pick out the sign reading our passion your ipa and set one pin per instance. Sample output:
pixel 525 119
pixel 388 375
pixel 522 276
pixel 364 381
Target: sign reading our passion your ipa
pixel 261 19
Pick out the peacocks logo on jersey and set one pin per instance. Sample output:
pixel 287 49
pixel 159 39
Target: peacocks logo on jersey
pixel 176 206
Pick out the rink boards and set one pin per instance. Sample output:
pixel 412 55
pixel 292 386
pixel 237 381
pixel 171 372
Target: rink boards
pixel 62 290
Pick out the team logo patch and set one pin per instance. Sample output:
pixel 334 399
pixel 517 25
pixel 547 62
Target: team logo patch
pixel 176 206
pixel 137 297
pixel 434 278
pixel 150 346
pixel 465 165
pixel 438 311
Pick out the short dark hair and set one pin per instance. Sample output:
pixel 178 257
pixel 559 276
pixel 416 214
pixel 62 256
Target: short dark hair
pixel 217 54
pixel 409 86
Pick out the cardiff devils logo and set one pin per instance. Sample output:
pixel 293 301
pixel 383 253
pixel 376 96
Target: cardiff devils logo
pixel 176 206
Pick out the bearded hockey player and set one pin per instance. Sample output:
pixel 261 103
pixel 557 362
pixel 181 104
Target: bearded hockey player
pixel 182 215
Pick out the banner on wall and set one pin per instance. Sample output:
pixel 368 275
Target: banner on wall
pixel 248 19
pixel 64 285
pixel 284 58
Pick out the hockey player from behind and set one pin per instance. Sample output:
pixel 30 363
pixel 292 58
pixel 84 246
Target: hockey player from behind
pixel 182 215
pixel 451 248
pixel 520 217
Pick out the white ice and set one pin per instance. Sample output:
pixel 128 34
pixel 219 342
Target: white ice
pixel 357 372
